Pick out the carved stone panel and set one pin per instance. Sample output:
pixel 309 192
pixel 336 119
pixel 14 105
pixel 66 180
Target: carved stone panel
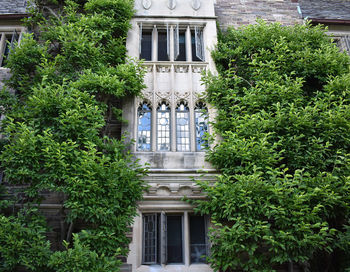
pixel 196 4
pixel 171 4
pixel 146 4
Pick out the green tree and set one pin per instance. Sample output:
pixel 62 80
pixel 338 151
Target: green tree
pixel 282 99
pixel 67 76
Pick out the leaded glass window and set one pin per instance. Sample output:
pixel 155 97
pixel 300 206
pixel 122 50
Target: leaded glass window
pixel 163 127
pixel 182 127
pixel 201 121
pixel 144 113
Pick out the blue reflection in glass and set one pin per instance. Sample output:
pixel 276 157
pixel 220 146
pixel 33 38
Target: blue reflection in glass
pixel 201 120
pixel 144 113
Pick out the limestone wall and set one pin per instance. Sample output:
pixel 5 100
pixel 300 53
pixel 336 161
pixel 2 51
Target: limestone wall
pixel 243 12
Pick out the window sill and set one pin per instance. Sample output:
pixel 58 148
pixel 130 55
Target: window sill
pixel 176 62
pixel 175 267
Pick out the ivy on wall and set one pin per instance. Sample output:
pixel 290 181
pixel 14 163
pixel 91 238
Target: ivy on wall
pixel 67 74
pixel 282 97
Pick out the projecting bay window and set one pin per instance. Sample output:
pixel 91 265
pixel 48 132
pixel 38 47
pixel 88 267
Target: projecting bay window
pixel 174 239
pixel 171 42
pixel 8 40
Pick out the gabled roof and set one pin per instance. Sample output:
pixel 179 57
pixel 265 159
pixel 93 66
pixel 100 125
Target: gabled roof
pixel 13 7
pixel 325 9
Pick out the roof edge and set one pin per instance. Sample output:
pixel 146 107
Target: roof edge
pixel 330 21
pixel 14 16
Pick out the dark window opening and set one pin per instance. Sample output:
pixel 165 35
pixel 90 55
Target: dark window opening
pixel 197 45
pixel 182 47
pixel 162 46
pixel 146 45
pixel 163 239
pixel 174 239
pixel 198 243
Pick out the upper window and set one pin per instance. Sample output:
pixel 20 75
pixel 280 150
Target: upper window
pixel 146 45
pixel 343 43
pixel 164 239
pixel 163 127
pixel 144 114
pixel 8 40
pixel 178 124
pixel 172 43
pixel 182 127
pixel 201 120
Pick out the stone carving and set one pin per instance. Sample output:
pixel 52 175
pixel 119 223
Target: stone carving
pixel 149 68
pixel 181 95
pixel 147 95
pixel 181 68
pixel 146 4
pixel 196 4
pixel 163 68
pixel 163 96
pixel 171 4
pixel 198 68
pixel 173 189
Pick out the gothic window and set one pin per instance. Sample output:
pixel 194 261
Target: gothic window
pixel 144 113
pixel 201 122
pixel 164 239
pixel 163 127
pixel 8 41
pixel 182 127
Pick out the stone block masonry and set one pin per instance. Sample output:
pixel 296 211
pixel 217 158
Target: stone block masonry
pixel 242 12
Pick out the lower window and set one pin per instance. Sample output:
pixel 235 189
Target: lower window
pixel 163 238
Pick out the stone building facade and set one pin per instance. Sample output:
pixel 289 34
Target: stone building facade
pixel 175 38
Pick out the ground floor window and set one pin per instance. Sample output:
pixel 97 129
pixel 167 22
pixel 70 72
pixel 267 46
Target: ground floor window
pixel 165 234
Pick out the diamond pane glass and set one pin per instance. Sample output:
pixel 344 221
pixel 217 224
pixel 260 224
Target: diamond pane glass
pixel 182 127
pixel 201 120
pixel 163 127
pixel 144 113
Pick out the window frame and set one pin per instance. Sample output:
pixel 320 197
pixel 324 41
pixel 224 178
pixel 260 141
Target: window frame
pixel 13 32
pixel 173 31
pixel 161 252
pixel 157 123
pixel 198 109
pixel 151 125
pixel 178 143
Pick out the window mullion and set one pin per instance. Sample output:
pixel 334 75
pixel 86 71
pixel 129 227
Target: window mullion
pixel 155 44
pixel 186 239
pixel 140 38
pixel 163 241
pixel 2 47
pixel 188 44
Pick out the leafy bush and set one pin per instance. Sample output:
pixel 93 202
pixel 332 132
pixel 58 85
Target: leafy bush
pixel 283 114
pixel 67 76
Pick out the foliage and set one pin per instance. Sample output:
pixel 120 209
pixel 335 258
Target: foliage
pixel 23 241
pixel 282 99
pixel 67 75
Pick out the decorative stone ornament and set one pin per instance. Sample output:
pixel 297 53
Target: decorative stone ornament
pixel 196 4
pixel 146 4
pixel 171 4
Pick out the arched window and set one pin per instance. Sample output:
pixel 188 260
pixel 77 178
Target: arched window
pixel 201 122
pixel 163 127
pixel 144 114
pixel 182 127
